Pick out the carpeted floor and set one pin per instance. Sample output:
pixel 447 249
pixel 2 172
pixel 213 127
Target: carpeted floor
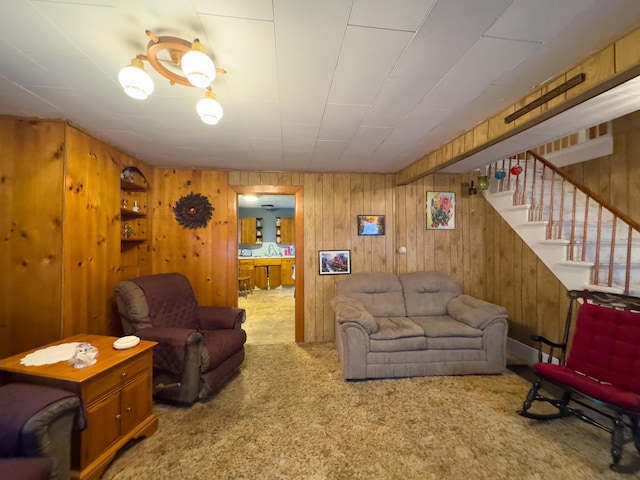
pixel 290 415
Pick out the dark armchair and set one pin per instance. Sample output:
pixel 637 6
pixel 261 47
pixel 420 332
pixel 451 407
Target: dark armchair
pixel 36 424
pixel 199 347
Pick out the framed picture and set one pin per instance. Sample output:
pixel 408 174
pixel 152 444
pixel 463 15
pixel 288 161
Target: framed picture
pixel 441 210
pixel 371 225
pixel 334 262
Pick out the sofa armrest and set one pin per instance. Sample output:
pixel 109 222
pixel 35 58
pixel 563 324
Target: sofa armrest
pixel 216 318
pixel 351 310
pixel 475 312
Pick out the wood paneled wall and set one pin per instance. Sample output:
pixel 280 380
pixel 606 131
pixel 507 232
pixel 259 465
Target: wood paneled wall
pixel 331 205
pixel 92 259
pixel 61 230
pixel 31 219
pixel 457 252
pixel 61 233
pixel 207 256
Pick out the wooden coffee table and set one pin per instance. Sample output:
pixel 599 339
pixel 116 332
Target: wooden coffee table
pixel 116 393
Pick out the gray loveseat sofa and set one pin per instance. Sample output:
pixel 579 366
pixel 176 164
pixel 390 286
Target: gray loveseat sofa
pixel 415 324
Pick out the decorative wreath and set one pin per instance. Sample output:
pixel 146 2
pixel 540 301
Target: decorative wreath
pixel 193 211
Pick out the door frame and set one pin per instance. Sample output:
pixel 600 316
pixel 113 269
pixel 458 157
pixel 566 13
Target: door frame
pixel 298 192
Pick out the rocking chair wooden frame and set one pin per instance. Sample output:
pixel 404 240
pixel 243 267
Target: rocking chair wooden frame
pixel 590 388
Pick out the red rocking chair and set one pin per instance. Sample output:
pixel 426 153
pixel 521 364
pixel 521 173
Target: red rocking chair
pixel 601 373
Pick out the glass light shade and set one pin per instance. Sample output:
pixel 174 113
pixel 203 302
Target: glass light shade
pixel 136 82
pixel 197 66
pixel 483 182
pixel 209 109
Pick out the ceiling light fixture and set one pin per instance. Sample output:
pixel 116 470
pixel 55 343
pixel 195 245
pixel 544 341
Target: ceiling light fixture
pixel 179 61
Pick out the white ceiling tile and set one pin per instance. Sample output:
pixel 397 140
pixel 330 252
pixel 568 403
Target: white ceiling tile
pixel 394 15
pixel 485 62
pixel 366 140
pixel 448 32
pixel 328 151
pixel 398 97
pixel 340 122
pixel 246 49
pixel 367 58
pixel 253 9
pixel 283 58
pixel 297 138
pixel 530 21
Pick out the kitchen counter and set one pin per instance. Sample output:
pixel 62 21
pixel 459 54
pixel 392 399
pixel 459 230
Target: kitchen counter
pixel 262 258
pixel 268 272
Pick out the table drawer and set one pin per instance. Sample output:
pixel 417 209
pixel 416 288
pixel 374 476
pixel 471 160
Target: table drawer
pixel 115 377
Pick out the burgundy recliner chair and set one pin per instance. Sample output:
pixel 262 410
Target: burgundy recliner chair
pixel 36 424
pixel 199 347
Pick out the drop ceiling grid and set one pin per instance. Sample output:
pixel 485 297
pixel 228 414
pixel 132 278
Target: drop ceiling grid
pixel 448 32
pixel 367 58
pixel 247 52
pixel 487 60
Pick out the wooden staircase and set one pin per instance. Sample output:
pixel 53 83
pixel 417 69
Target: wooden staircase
pixel 583 241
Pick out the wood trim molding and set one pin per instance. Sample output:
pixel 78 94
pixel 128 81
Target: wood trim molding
pixel 298 192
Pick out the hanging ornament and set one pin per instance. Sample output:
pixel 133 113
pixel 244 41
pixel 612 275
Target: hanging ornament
pixel 500 174
pixel 516 170
pixel 193 211
pixel 483 182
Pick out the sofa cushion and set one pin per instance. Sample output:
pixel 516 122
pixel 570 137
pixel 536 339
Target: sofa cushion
pixel 407 344
pixel 445 333
pixel 390 328
pixel 427 293
pixel 445 326
pixel 380 293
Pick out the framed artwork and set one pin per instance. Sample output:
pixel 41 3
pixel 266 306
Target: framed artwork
pixel 441 210
pixel 334 262
pixel 371 225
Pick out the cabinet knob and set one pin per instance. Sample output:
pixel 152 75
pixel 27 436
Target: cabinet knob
pixel 129 409
pixel 118 417
pixel 124 374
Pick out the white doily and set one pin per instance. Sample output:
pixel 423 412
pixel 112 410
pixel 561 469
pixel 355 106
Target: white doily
pixel 53 354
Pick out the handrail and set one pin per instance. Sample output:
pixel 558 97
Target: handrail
pixel 544 206
pixel 590 193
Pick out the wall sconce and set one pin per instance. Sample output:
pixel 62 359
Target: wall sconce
pixel 472 189
pixel 185 63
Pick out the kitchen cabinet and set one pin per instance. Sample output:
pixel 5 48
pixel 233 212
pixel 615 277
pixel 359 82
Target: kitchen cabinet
pixel 287 272
pixel 246 270
pixel 287 231
pixel 267 272
pixel 251 230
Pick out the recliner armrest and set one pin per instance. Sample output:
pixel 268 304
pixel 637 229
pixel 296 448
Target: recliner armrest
pixel 216 318
pixel 475 312
pixel 170 335
pixel 169 354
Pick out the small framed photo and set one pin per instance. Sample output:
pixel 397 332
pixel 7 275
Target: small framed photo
pixel 334 262
pixel 441 210
pixel 371 225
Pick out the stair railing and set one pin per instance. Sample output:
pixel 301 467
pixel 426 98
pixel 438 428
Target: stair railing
pixel 529 189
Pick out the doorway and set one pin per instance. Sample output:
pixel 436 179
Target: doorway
pixel 297 255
